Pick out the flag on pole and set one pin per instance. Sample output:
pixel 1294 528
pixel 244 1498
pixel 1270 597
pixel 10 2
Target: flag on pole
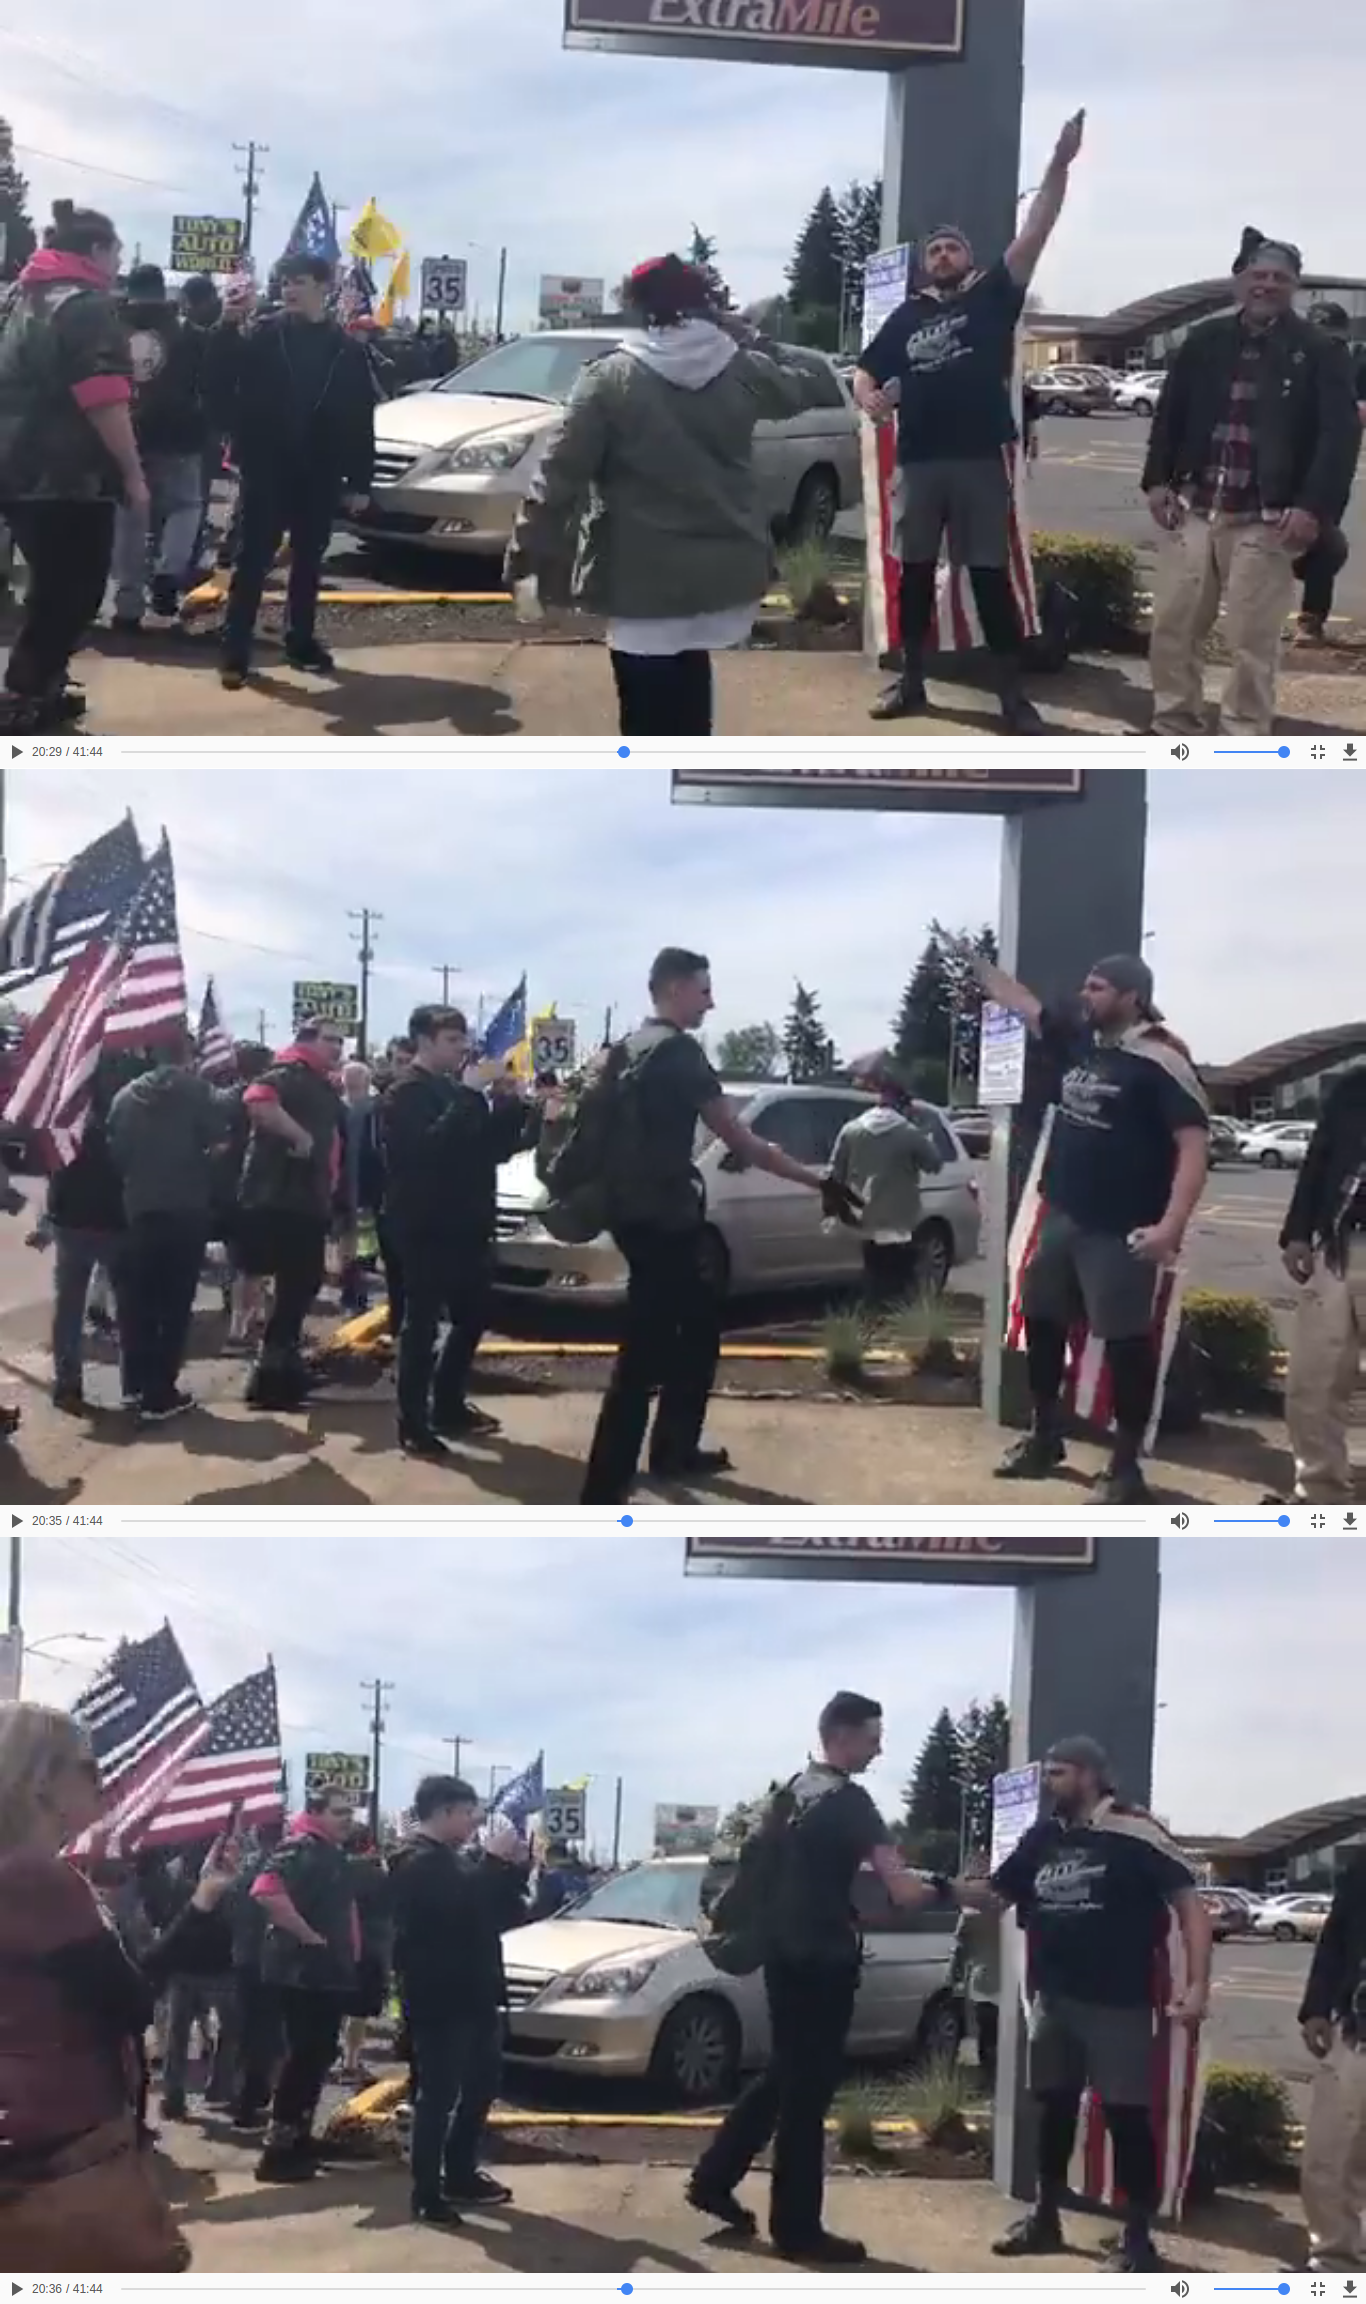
pixel 508 1031
pixel 57 922
pixel 143 1716
pixel 236 1769
pixel 356 295
pixel 372 235
pixel 126 990
pixel 1087 1391
pixel 314 233
pixel 522 1797
pixel 213 1041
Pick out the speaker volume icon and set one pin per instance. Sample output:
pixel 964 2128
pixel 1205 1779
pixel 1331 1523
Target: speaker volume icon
pixel 1181 2287
pixel 1181 751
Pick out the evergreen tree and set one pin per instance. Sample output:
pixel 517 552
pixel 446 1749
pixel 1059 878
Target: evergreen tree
pixel 965 1005
pixel 984 1746
pixel 702 253
pixel 17 236
pixel 750 1052
pixel 807 1046
pixel 815 276
pixel 935 1793
pixel 860 232
pixel 922 1030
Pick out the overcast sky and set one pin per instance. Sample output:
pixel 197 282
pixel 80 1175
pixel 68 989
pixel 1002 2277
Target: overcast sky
pixel 596 1649
pixel 579 875
pixel 476 130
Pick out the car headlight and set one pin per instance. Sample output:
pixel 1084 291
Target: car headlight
pixel 610 1983
pixel 497 452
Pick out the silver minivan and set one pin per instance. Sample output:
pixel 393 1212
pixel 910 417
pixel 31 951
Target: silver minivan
pixel 619 1987
pixel 453 464
pixel 762 1235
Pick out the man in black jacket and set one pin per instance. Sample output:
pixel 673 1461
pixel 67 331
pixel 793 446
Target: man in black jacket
pixel 1325 560
pixel 310 1960
pixel 1323 1245
pixel 85 1211
pixel 1333 2023
pixel 451 1908
pixel 288 1182
pixel 294 395
pixel 1252 455
pixel 172 434
pixel 443 1144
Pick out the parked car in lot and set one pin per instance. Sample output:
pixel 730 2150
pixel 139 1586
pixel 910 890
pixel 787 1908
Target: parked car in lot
pixel 1230 1913
pixel 1069 391
pixel 1225 1138
pixel 1280 1146
pixel 1138 395
pixel 972 1127
pixel 762 1234
pixel 619 1987
pixel 1293 1919
pixel 453 463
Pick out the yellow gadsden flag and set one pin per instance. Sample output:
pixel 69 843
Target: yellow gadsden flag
pixel 372 235
pixel 395 293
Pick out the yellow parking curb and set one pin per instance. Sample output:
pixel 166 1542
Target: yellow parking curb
pixel 369 1329
pixel 205 595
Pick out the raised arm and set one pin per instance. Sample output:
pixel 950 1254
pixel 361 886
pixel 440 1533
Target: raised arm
pixel 1024 252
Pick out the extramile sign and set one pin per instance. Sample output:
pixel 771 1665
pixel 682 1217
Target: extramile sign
pixel 883 35
pixel 1005 1559
pixel 983 791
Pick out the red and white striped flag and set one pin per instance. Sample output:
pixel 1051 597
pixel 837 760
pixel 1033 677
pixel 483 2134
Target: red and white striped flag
pixel 955 626
pixel 1087 1389
pixel 143 1716
pixel 126 990
pixel 1178 2067
pixel 213 1041
pixel 235 1769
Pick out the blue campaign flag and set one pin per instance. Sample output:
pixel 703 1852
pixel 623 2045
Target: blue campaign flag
pixel 523 1796
pixel 315 233
pixel 508 1029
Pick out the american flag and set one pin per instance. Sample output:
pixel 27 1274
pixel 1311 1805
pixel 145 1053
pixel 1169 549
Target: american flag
pixel 124 991
pixel 217 1058
pixel 1087 1391
pixel 143 1716
pixel 236 1769
pixel 59 919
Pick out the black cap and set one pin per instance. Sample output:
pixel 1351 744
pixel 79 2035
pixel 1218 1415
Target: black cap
pixel 1082 1752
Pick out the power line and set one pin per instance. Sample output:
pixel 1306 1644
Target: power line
pixel 99 77
pixel 88 168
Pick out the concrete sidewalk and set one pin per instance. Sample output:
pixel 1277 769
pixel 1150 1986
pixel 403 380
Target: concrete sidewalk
pixel 624 2221
pixel 522 688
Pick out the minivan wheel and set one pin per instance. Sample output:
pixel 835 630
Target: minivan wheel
pixel 941 2031
pixel 815 508
pixel 714 1258
pixel 1141 407
pixel 1270 1160
pixel 697 2054
pixel 1285 1933
pixel 933 1259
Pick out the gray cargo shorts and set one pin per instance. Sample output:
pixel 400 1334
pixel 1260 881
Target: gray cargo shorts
pixel 1073 2046
pixel 966 496
pixel 1077 1274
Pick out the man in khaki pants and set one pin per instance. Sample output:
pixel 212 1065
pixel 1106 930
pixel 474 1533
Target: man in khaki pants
pixel 1333 2024
pixel 1252 455
pixel 1323 1244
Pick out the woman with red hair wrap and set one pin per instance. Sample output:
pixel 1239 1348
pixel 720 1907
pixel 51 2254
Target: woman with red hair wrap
pixel 647 509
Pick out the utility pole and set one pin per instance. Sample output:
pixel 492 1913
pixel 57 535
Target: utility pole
pixel 368 920
pixel 616 1827
pixel 607 1026
pixel 457 1745
pixel 250 173
pixel 502 295
pixel 377 1690
pixel 16 1580
pixel 262 1028
pixel 445 971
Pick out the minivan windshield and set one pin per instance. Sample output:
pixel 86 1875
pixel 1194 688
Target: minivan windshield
pixel 545 367
pixel 652 1896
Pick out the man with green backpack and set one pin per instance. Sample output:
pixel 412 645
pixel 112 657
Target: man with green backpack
pixel 627 1165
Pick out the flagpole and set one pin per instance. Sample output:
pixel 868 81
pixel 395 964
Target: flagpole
pixel 16 1580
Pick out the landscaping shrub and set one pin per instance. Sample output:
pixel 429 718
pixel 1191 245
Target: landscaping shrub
pixel 844 1343
pixel 1245 2131
pixel 921 1331
pixel 1233 1341
pixel 1102 578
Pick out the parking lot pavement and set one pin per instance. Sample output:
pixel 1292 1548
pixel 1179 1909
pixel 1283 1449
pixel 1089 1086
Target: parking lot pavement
pixel 1258 1985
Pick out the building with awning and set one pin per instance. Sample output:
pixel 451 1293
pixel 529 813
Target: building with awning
pixel 1147 332
pixel 1309 1850
pixel 1289 1079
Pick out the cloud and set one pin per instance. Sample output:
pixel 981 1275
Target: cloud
pixel 579 875
pixel 597 1650
pixel 475 122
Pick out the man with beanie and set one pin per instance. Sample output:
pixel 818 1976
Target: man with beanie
pixel 1251 461
pixel 943 365
pixel 881 1156
pixel 172 430
pixel 1094 1885
pixel 1127 1157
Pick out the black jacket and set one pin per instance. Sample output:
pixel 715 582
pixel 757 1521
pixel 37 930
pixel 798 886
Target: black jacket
pixel 1308 432
pixel 59 334
pixel 443 1145
pixel 1337 1976
pixel 320 1882
pixel 168 358
pixel 87 1195
pixel 451 1909
pixel 273 1176
pixel 294 396
pixel 1326 1184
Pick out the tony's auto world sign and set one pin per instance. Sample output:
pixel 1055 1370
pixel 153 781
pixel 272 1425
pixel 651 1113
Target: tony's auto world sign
pixel 869 32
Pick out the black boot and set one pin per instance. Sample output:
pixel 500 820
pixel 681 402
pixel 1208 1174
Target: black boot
pixel 1019 716
pixel 906 698
pixel 1037 2234
pixel 1036 1457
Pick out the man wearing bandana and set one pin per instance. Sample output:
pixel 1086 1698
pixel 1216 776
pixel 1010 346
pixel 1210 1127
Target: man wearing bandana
pixel 1251 460
pixel 942 366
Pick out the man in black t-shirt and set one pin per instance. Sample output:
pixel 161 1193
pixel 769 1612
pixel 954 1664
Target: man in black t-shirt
pixel 1126 1164
pixel 943 365
pixel 830 1829
pixel 1093 1885
pixel 672 1335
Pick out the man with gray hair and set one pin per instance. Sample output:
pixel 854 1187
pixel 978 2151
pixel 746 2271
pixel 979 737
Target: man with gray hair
pixel 1126 1161
pixel 1251 459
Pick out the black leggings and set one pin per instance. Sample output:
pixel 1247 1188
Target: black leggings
pixel 1135 2147
pixel 664 695
pixel 67 545
pixel 1132 1362
pixel 991 591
